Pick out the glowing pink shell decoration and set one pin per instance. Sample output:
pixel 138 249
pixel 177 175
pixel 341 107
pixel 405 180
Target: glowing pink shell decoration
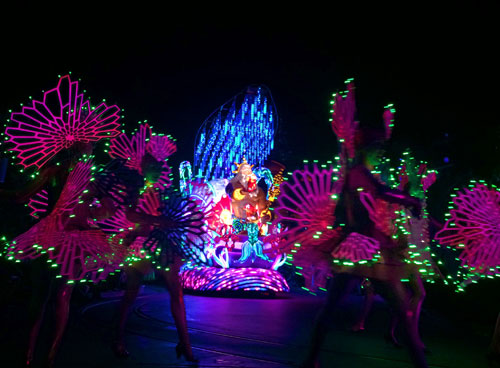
pixel 149 203
pixel 474 227
pixel 306 205
pixel 57 122
pixel 356 248
pixel 343 123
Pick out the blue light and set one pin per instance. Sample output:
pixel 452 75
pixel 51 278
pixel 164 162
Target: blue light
pixel 234 131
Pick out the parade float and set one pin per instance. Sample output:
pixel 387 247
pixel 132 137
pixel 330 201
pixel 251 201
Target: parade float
pixel 232 176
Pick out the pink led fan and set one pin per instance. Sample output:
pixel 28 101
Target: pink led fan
pixel 132 149
pixel 306 205
pixel 474 228
pixel 57 122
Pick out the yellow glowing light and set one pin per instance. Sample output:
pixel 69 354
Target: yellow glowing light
pixel 225 217
pixel 237 195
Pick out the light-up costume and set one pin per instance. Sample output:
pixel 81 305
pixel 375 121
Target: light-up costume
pixel 52 136
pixel 65 235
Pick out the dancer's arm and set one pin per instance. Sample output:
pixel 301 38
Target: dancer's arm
pixel 362 178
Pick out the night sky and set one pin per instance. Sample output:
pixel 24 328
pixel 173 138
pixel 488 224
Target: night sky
pixel 439 71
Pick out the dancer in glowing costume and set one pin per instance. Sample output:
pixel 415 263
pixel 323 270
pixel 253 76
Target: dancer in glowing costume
pixel 389 270
pixel 147 163
pixel 54 136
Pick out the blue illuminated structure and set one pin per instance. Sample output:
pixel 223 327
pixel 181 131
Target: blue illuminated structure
pixel 242 127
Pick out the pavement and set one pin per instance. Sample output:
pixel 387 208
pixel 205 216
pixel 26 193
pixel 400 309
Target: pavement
pixel 255 331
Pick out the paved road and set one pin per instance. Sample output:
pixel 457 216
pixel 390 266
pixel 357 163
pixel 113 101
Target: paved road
pixel 260 333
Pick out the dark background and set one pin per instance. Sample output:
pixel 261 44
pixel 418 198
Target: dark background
pixel 173 67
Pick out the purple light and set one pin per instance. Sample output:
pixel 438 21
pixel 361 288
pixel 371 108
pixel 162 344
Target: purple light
pixel 57 122
pixel 219 279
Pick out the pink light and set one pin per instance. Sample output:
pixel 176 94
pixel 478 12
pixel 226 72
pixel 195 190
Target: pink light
pixel 382 213
pixel 133 148
pixel 306 202
pixel 212 278
pixel 38 203
pixel 474 228
pixel 428 180
pixel 356 247
pixel 388 117
pixel 57 122
pixel 343 123
pixel 76 252
pixel 161 147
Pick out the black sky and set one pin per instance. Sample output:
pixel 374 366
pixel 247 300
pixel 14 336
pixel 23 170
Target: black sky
pixel 440 70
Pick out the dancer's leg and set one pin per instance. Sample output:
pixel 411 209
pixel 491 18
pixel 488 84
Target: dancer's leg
pixel 340 287
pixel 391 334
pixel 367 306
pixel 135 274
pixel 62 313
pixel 177 307
pixel 41 284
pixel 417 299
pixel 397 296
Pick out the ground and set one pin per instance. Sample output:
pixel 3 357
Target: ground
pixel 241 332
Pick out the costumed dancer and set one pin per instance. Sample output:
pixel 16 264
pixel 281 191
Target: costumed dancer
pixel 366 146
pixel 55 135
pixel 138 177
pixel 415 180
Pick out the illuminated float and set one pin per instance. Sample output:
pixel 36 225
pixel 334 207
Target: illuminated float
pixel 231 179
